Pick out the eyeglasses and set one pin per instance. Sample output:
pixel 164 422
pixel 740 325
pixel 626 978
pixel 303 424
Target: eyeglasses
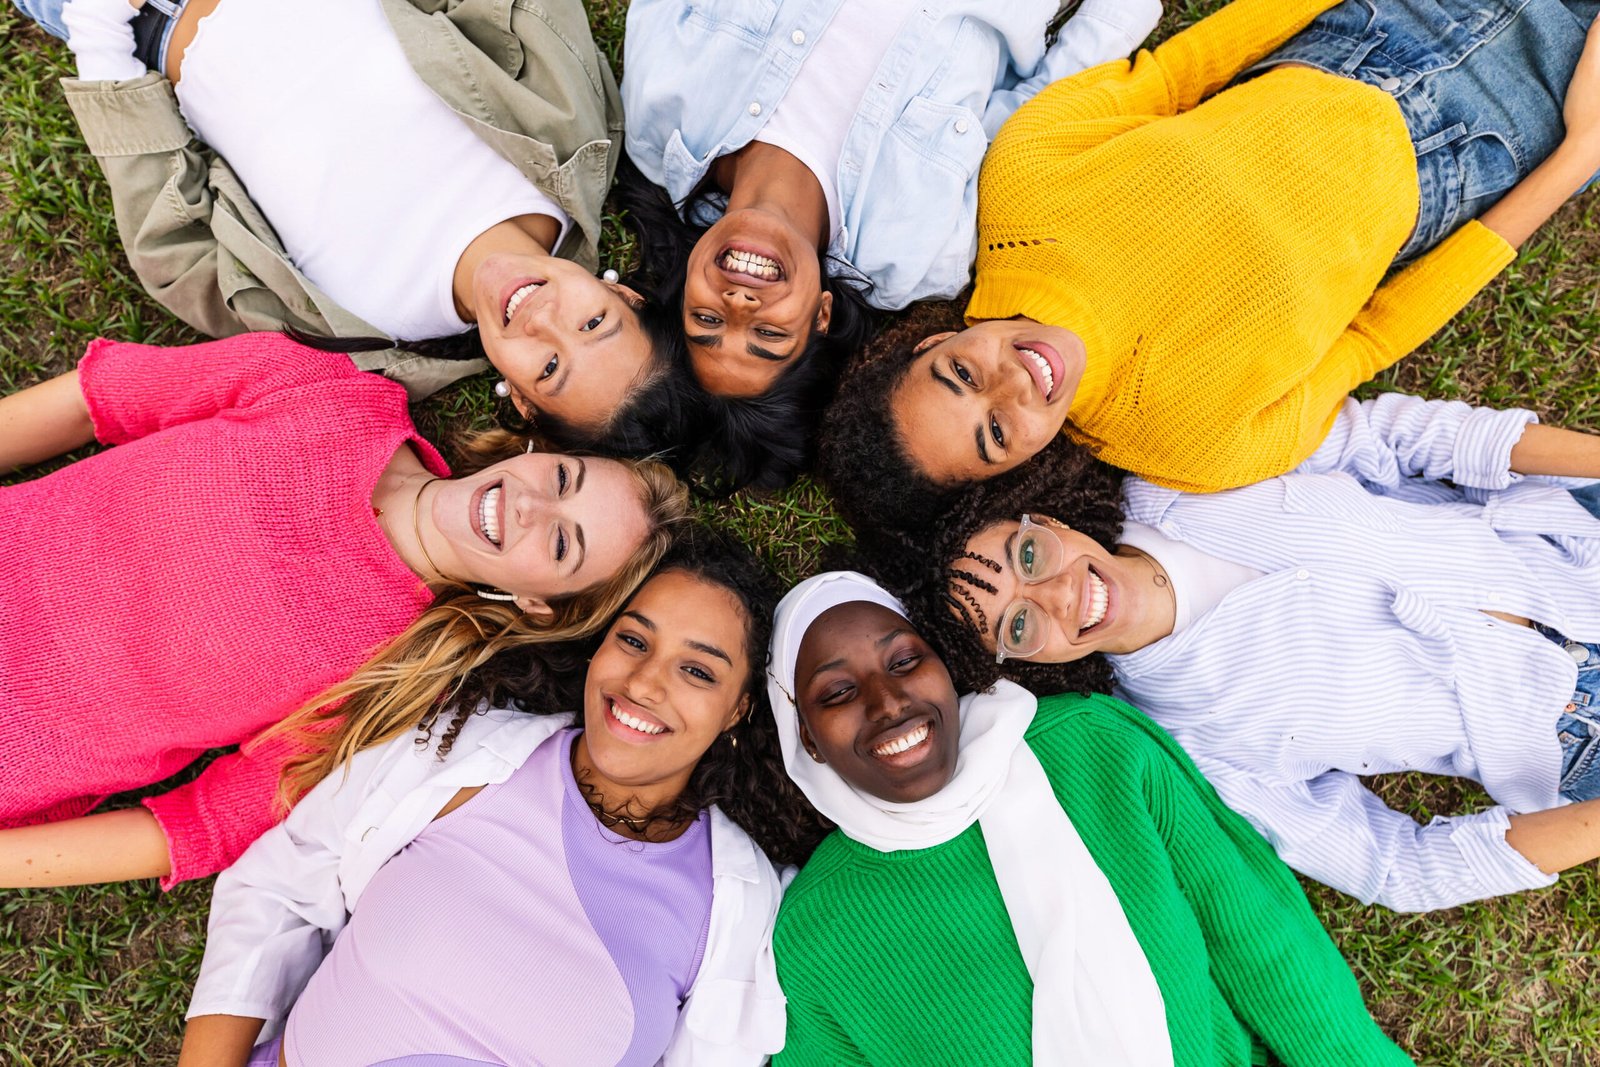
pixel 1036 556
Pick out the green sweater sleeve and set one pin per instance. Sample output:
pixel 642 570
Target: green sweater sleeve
pixel 814 1038
pixel 1271 959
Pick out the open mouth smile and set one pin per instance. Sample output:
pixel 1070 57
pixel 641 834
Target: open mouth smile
pixel 518 295
pixel 744 263
pixel 1043 364
pixel 906 745
pixel 1097 600
pixel 633 723
pixel 490 517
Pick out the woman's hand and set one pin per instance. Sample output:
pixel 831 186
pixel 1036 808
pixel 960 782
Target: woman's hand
pixel 43 421
pixel 218 1041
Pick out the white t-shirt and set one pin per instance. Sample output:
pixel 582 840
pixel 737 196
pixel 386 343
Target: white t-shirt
pixel 812 119
pixel 1199 579
pixel 373 184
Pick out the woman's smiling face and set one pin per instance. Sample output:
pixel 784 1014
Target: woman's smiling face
pixel 876 704
pixel 752 298
pixel 670 675
pixel 567 343
pixel 981 402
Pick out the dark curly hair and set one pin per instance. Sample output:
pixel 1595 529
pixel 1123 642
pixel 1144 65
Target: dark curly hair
pixel 766 441
pixel 934 574
pixel 860 456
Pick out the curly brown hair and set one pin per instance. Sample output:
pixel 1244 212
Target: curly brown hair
pixel 860 456
pixel 934 574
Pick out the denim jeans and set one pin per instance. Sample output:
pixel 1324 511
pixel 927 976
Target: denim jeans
pixel 1480 83
pixel 1578 728
pixel 1589 497
pixel 152 26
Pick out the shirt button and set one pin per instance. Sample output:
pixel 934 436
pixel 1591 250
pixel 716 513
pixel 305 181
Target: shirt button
pixel 798 37
pixel 1389 85
pixel 1302 574
pixel 961 125
pixel 754 108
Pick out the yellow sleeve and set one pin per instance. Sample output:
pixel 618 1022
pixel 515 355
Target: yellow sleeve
pixel 1110 99
pixel 1201 60
pixel 1410 308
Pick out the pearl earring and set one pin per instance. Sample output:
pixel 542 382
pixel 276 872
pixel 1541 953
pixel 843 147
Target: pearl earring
pixel 610 276
pixel 502 389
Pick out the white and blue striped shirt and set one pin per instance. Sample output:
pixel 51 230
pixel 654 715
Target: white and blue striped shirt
pixel 1364 647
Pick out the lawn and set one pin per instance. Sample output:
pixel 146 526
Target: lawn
pixel 102 975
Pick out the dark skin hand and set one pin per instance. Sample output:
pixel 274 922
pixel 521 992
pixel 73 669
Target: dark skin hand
pixel 876 704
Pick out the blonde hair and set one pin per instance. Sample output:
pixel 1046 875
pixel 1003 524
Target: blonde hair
pixel 408 680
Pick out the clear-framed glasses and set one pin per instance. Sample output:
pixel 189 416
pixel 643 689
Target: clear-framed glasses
pixel 1036 556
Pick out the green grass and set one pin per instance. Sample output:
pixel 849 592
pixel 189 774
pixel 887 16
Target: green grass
pixel 102 975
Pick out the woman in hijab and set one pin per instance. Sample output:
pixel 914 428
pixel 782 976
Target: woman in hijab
pixel 1090 885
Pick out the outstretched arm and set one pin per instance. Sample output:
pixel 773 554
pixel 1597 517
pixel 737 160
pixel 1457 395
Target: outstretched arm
pixel 43 421
pixel 219 1041
pixel 1549 185
pixel 112 846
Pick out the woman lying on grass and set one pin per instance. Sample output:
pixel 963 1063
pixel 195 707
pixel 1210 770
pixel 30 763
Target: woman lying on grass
pixel 268 521
pixel 797 161
pixel 516 888
pixel 1017 881
pixel 1181 259
pixel 383 169
pixel 1403 601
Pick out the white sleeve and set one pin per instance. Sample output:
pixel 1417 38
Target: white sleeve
pixel 1395 436
pixel 100 34
pixel 1098 32
pixel 1335 830
pixel 275 911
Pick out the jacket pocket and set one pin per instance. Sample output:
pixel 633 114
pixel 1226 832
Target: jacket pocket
pixel 949 136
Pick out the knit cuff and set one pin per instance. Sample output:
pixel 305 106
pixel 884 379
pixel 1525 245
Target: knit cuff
pixel 175 821
pixel 105 425
pixel 1416 303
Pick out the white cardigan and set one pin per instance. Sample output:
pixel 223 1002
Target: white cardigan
pixel 276 911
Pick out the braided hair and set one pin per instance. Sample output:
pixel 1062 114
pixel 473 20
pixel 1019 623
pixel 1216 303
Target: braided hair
pixel 932 572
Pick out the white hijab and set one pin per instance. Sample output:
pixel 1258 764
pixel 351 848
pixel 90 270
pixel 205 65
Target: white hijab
pixel 1074 937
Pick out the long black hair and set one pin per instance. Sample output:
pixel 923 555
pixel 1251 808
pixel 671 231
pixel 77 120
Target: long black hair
pixel 765 441
pixel 932 572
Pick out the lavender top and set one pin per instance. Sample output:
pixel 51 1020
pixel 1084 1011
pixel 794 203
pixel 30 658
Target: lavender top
pixel 494 939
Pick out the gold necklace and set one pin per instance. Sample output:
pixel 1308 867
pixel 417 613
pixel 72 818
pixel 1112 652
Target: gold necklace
pixel 416 527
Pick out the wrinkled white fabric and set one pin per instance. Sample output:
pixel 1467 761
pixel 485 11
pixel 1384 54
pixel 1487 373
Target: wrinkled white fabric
pixel 1094 995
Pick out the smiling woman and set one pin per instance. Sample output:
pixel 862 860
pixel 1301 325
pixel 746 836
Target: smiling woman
pixel 295 489
pixel 1095 902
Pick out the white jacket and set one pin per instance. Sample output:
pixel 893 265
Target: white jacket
pixel 276 911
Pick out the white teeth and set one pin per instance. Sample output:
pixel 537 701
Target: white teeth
pixel 489 515
pixel 518 297
pixel 902 744
pixel 752 264
pixel 1044 368
pixel 634 723
pixel 1098 599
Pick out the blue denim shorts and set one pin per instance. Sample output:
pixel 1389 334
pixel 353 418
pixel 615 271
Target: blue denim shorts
pixel 1480 83
pixel 1578 727
pixel 152 26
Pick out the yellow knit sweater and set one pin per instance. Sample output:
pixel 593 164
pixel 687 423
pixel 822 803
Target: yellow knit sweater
pixel 1220 255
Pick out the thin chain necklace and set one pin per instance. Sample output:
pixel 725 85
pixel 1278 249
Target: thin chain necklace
pixel 610 819
pixel 416 528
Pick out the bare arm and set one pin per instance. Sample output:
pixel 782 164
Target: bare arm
pixel 218 1041
pixel 113 846
pixel 43 421
pixel 1555 451
pixel 1559 838
pixel 1534 199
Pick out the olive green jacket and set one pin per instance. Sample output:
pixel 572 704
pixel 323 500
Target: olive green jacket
pixel 525 75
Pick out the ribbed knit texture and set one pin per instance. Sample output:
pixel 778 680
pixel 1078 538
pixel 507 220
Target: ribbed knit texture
pixel 908 958
pixel 1218 258
pixel 190 587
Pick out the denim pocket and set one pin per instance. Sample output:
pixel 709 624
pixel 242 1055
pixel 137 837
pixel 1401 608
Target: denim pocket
pixel 748 18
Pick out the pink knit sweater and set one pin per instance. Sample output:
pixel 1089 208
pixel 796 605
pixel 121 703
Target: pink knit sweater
pixel 192 586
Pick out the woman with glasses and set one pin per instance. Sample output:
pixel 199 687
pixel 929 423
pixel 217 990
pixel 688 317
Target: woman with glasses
pixel 1407 599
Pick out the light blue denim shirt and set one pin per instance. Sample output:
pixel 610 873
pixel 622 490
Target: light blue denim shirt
pixel 701 78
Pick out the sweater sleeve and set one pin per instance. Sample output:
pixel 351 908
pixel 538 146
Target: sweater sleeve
pixel 210 821
pixel 814 1038
pixel 1270 957
pixel 1407 310
pixel 133 390
pixel 1334 829
pixel 1203 59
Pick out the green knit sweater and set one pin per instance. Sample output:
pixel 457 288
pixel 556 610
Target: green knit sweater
pixel 908 957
